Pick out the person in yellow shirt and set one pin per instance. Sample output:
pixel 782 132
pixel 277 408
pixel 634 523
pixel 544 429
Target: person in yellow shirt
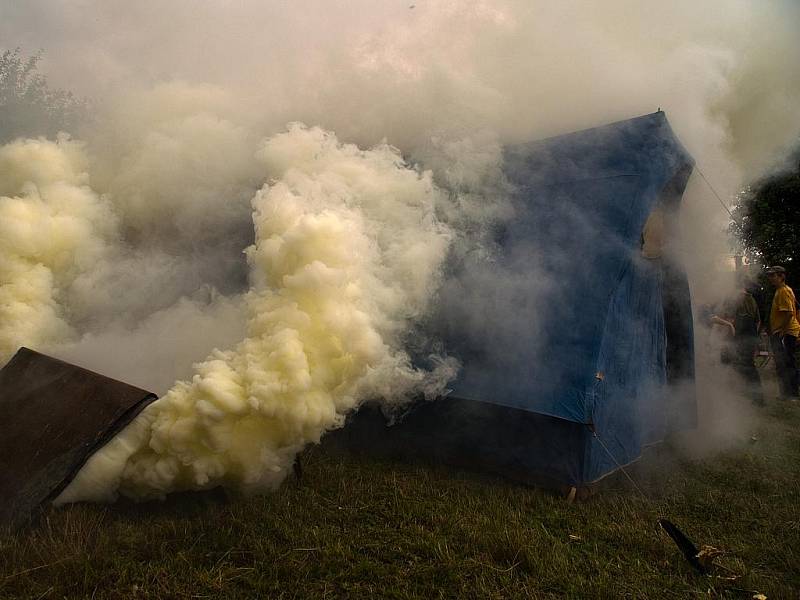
pixel 784 329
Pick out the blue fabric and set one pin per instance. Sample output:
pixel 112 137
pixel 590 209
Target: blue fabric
pixel 579 332
pixel 629 410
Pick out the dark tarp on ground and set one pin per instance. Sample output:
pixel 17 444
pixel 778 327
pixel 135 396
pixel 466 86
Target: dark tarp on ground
pixel 570 321
pixel 54 415
pixel 472 435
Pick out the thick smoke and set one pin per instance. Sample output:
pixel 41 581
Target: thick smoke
pixel 149 214
pixel 53 229
pixel 726 75
pixel 347 252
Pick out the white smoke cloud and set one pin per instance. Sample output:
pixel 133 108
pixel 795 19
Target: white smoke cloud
pixel 180 175
pixel 155 350
pixel 182 168
pixel 372 70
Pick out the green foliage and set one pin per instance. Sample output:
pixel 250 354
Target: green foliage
pixel 28 106
pixel 768 221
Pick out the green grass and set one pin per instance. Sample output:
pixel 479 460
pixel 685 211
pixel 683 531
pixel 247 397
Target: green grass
pixel 362 528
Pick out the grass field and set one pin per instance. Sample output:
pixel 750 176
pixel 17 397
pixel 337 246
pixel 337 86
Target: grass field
pixel 360 528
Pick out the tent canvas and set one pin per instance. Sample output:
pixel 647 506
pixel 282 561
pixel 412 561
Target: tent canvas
pixel 581 332
pixel 55 416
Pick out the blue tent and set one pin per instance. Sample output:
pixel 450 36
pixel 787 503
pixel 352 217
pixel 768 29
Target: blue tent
pixel 576 346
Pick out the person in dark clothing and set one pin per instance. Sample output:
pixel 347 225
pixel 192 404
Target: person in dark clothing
pixel 740 321
pixel 746 321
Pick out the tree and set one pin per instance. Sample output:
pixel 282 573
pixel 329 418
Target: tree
pixel 28 106
pixel 767 220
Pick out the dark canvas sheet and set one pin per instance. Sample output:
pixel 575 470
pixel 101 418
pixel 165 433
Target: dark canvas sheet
pixel 54 415
pixel 520 445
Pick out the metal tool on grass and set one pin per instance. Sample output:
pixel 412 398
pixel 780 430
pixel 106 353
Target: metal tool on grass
pixel 701 560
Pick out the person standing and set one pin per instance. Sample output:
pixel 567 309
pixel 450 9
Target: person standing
pixel 784 329
pixel 746 321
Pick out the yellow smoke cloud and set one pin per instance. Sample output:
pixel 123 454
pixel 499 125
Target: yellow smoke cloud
pixel 53 227
pixel 347 251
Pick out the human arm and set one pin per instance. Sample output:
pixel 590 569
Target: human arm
pixel 720 321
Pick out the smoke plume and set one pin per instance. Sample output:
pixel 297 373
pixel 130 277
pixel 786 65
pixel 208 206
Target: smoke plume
pixel 129 235
pixel 347 252
pixel 53 228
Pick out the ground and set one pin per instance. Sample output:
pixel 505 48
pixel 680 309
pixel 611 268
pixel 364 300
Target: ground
pixel 356 528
